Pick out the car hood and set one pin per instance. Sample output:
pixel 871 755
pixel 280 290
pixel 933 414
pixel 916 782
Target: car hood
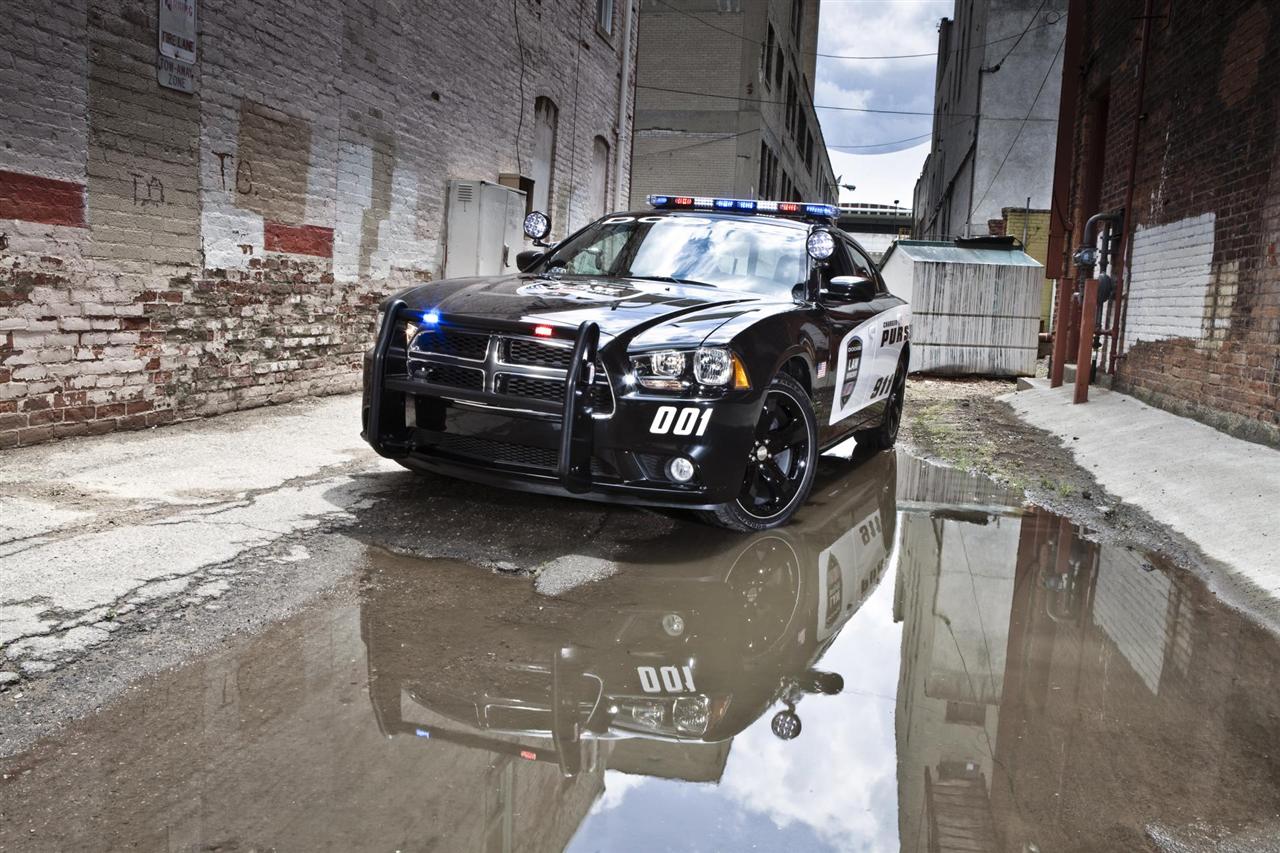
pixel 646 313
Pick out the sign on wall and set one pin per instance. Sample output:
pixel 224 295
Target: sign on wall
pixel 178 30
pixel 175 61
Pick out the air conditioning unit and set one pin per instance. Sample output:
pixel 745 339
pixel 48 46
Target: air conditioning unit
pixel 484 229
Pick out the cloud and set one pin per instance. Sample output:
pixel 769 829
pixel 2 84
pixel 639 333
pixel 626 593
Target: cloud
pixel 880 178
pixel 877 28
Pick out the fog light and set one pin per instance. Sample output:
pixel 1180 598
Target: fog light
pixel 680 469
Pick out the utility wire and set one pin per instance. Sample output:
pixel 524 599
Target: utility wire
pixel 1021 35
pixel 515 15
pixel 875 110
pixel 1048 72
pixel 757 130
pixel 706 23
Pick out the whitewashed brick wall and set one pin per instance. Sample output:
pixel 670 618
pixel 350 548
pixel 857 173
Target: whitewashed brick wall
pixel 1171 279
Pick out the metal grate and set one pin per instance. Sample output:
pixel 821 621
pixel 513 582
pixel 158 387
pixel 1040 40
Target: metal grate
pixel 451 342
pixel 489 450
pixel 528 386
pixel 454 377
pixel 535 353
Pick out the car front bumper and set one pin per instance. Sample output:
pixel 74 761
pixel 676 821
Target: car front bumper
pixel 561 448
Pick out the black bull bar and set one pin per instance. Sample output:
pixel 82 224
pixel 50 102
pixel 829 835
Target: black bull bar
pixel 573 467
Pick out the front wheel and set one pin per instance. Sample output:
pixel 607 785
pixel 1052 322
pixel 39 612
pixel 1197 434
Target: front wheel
pixel 886 435
pixel 781 463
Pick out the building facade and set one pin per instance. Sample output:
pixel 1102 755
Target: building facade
pixel 1175 130
pixel 202 204
pixel 724 101
pixel 995 115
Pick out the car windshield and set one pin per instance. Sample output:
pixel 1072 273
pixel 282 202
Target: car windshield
pixel 732 252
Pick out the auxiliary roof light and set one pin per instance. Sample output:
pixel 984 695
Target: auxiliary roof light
pixel 745 205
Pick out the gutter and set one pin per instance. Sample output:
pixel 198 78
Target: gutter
pixel 621 201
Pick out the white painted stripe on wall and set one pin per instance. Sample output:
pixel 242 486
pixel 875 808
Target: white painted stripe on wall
pixel 1172 274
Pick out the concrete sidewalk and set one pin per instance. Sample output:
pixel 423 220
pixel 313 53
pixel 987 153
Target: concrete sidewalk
pixel 1219 492
pixel 92 528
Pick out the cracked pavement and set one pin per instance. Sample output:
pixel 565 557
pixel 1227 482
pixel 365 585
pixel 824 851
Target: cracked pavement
pixel 93 529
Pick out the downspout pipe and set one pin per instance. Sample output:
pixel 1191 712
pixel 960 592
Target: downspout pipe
pixel 1131 224
pixel 621 198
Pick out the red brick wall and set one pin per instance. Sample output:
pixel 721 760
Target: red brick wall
pixel 166 255
pixel 1207 338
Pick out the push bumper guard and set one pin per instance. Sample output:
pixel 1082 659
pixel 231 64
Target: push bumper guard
pixel 576 434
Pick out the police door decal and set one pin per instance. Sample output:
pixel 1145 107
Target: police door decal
pixel 868 359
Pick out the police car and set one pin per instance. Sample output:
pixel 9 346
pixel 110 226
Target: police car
pixel 700 354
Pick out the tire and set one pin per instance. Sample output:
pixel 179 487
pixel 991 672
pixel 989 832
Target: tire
pixel 778 484
pixel 885 435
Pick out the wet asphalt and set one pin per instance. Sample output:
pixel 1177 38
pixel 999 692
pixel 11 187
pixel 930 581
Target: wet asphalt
pixel 917 663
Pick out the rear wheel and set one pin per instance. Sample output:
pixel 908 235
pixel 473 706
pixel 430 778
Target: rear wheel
pixel 781 464
pixel 886 435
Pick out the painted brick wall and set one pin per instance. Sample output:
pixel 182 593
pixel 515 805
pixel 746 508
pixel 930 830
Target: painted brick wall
pixel 167 255
pixel 1203 330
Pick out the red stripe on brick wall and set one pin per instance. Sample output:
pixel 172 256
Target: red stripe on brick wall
pixel 37 199
pixel 298 239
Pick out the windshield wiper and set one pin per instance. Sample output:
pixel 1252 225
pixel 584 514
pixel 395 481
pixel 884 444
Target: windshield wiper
pixel 670 279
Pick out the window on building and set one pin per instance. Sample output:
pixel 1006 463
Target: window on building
pixel 770 45
pixel 545 119
pixel 604 16
pixel 808 150
pixel 598 188
pixel 791 102
pixel 797 16
pixel 777 68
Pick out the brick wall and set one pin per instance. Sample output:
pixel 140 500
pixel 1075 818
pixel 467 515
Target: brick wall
pixel 167 255
pixel 1203 329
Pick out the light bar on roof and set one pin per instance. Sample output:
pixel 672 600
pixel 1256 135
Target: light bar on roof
pixel 745 205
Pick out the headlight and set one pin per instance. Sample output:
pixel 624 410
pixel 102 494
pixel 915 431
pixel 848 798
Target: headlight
pixel 691 715
pixel 676 370
pixel 712 366
pixel 668 363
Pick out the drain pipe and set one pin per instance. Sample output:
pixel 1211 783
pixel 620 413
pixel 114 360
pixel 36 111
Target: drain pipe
pixel 1131 224
pixel 621 201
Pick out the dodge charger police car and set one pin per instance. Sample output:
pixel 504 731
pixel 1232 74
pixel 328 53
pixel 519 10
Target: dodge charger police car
pixel 700 354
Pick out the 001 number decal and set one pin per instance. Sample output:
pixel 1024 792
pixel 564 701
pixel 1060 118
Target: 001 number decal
pixel 687 421
pixel 655 680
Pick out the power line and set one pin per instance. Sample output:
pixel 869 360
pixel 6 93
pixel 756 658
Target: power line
pixel 1021 35
pixel 1048 72
pixel 832 107
pixel 757 130
pixel 740 37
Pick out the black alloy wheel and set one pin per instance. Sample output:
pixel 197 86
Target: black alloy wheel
pixel 780 464
pixel 885 435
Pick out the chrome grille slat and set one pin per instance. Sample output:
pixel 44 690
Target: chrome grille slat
pixel 505 364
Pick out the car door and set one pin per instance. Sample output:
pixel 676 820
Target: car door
pixel 865 334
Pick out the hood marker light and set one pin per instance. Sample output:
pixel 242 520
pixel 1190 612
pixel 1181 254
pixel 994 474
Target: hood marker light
pixel 542 331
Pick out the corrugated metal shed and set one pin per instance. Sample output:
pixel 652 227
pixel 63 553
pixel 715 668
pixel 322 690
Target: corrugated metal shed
pixel 975 305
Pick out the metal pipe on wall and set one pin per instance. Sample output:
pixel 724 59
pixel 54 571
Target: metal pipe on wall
pixel 1130 220
pixel 621 199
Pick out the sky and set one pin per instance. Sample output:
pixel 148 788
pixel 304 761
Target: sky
pixel 877 28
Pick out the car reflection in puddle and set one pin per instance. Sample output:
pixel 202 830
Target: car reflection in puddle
pixel 697 637
pixel 918 663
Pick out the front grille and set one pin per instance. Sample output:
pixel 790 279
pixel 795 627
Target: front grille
pixel 452 342
pixel 553 389
pixel 489 450
pixel 473 448
pixel 536 353
pixel 447 374
pixel 528 386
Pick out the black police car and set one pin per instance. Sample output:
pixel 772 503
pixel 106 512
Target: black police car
pixel 697 355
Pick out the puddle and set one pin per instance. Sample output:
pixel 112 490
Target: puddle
pixel 916 664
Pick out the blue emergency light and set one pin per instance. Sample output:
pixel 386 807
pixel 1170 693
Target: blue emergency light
pixel 745 205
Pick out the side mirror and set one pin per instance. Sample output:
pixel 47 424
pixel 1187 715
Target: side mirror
pixel 526 259
pixel 536 227
pixel 851 288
